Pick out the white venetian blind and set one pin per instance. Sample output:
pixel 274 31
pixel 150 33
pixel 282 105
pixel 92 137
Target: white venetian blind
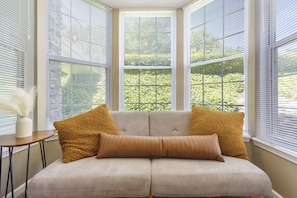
pixel 16 51
pixel 277 74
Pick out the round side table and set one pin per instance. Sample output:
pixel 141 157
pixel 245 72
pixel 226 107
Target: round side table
pixel 10 141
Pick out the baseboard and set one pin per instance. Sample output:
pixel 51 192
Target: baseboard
pixel 276 195
pixel 18 191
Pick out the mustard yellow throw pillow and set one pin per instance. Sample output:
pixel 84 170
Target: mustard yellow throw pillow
pixel 228 126
pixel 79 135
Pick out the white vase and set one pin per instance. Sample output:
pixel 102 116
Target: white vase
pixel 24 127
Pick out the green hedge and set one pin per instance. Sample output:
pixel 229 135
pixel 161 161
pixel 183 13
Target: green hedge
pixel 147 60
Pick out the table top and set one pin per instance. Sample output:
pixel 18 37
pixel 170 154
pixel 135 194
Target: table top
pixel 11 141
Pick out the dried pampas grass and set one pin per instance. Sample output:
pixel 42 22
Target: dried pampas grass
pixel 19 103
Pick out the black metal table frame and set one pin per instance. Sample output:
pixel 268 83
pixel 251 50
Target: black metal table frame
pixel 10 172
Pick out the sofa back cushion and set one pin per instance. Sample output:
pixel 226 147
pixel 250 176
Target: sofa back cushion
pixel 169 123
pixel 131 123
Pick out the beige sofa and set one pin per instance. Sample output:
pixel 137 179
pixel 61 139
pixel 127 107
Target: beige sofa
pixel 143 177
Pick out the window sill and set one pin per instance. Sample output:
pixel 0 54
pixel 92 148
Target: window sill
pixel 281 152
pixel 246 137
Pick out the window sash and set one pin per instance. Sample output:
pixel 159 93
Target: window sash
pixel 143 62
pixel 83 46
pixel 276 101
pixel 199 17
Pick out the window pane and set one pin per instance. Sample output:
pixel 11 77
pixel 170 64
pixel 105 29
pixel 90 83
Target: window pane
pixel 131 41
pixel 147 41
pixel 220 33
pixel 196 85
pixel 234 45
pixel 75 88
pixel 233 85
pixel 213 10
pixel 231 6
pixel 286 18
pixel 287 93
pixel 145 89
pixel 234 23
pixel 77 30
pixel 219 85
pixel 214 29
pixel 199 15
pixel 213 48
pixel 197 44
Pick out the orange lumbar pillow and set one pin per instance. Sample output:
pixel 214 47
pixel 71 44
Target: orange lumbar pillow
pixel 129 146
pixel 186 147
pixel 192 147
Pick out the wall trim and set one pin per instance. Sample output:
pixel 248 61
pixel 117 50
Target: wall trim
pixel 246 137
pixel 18 191
pixel 281 152
pixel 276 195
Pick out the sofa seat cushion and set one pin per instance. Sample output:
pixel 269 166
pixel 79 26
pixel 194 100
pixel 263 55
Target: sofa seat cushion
pixel 204 178
pixel 91 177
